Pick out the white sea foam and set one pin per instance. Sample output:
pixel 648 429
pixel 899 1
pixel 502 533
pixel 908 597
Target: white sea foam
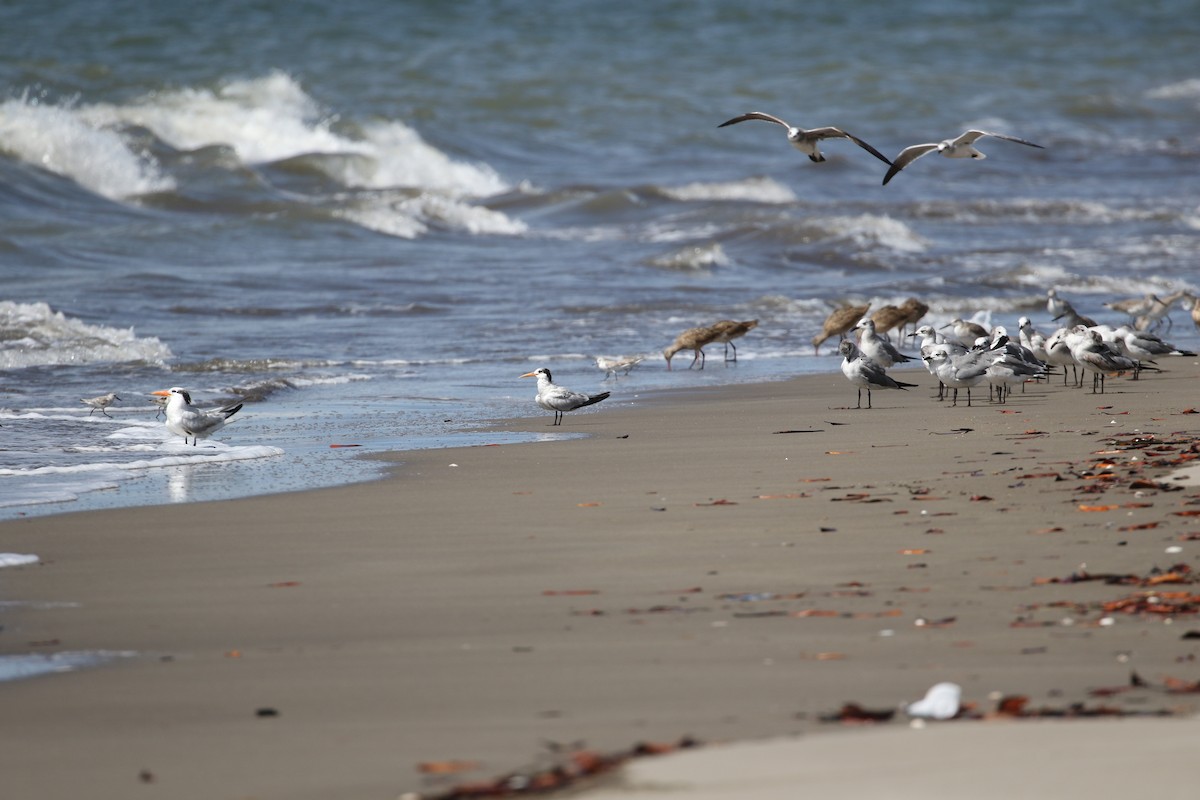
pixel 65 141
pixel 873 230
pixel 1181 90
pixel 29 665
pixel 698 258
pixel 272 118
pixel 409 217
pixel 34 335
pixel 17 559
pixel 757 190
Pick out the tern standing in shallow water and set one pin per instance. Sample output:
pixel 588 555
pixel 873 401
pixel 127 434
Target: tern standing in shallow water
pixel 962 147
pixel 865 373
pixel 559 399
pixel 186 420
pixel 806 141
pixel 100 403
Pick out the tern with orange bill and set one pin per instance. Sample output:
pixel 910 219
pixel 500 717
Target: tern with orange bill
pixel 185 419
pixel 559 399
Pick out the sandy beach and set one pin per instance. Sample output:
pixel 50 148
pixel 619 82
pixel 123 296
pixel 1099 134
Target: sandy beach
pixel 727 565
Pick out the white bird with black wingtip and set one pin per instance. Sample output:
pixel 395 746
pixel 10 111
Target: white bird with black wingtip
pixel 559 399
pixel 961 147
pixel 185 419
pixel 807 140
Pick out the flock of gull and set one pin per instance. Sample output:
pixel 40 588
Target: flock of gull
pixel 962 355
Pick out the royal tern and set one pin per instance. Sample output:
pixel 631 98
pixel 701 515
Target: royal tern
pixel 962 147
pixel 186 420
pixel 100 403
pixel 559 399
pixel 865 373
pixel 876 348
pixel 614 364
pixel 807 141
pixel 727 330
pixel 839 323
pixel 693 339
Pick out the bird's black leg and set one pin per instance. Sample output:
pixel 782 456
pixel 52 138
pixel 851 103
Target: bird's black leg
pixel 868 397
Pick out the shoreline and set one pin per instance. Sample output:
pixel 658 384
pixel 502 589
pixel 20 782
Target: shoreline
pixel 729 565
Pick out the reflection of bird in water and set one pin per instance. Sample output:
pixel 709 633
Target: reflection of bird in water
pixel 559 399
pixel 727 330
pixel 100 403
pixel 839 323
pixel 185 419
pixel 692 339
pixel 614 364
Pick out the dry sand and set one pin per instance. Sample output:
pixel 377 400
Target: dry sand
pixel 728 564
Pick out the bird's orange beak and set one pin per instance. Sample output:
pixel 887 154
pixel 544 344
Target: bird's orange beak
pixel 162 393
pixel 529 375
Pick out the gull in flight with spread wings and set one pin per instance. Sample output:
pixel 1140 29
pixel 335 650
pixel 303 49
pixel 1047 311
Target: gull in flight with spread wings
pixel 806 141
pixel 962 147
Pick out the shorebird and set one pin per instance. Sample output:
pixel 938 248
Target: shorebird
pixel 865 373
pixel 160 403
pixel 614 364
pixel 915 311
pixel 1135 307
pixel 692 339
pixel 961 371
pixel 839 324
pixel 1144 346
pixel 1071 318
pixel 876 348
pixel 1096 356
pixel 1054 304
pixel 807 141
pixel 1154 316
pixel 962 147
pixel 888 318
pixel 966 333
pixel 559 399
pixel 100 403
pixel 186 420
pixel 931 342
pixel 727 330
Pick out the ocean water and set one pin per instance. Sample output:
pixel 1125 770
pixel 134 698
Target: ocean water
pixel 368 218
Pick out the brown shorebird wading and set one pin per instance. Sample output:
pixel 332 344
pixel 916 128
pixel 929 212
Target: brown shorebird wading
pixel 727 330
pixel 838 323
pixel 692 339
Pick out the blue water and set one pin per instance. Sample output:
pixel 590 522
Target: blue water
pixel 368 218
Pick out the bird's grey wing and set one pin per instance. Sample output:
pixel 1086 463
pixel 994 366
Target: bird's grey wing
pixel 1006 138
pixel 838 133
pixel 754 115
pixel 907 156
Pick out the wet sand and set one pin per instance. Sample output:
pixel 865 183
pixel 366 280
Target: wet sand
pixel 725 564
